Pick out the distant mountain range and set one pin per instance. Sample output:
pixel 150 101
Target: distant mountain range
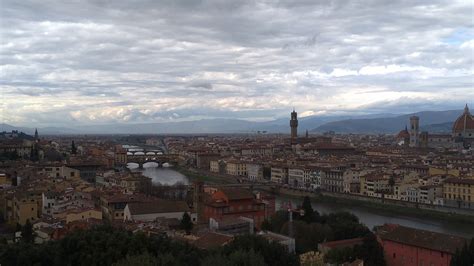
pixel 432 121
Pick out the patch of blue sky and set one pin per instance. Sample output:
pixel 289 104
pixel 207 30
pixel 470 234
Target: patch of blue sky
pixel 459 36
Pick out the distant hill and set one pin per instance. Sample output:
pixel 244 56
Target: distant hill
pixel 435 120
pixel 31 131
pixel 439 128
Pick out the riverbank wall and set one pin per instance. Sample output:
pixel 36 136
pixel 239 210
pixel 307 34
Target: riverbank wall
pixel 385 206
pixel 398 203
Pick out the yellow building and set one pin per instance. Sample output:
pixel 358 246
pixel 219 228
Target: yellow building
pixel 440 171
pixel 84 214
pixel 236 168
pixel 25 207
pixel 459 192
pixel 214 166
pixel 5 182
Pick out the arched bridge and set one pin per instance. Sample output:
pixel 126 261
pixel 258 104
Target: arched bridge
pixel 160 159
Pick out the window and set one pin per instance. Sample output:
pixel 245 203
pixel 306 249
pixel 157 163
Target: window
pixel 394 255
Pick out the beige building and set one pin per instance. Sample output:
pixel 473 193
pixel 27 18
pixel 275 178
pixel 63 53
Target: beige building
pixel 236 168
pixel 83 214
pixel 254 171
pixel 459 192
pixel 25 207
pixel 60 172
pixel 279 174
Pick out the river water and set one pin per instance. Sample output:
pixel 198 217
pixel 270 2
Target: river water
pixel 367 216
pixel 159 175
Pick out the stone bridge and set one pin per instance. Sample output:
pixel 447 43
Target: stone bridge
pixel 141 158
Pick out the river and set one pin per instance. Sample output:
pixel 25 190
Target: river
pixel 159 175
pixel 367 216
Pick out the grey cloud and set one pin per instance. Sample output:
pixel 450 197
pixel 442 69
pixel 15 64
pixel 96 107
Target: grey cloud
pixel 147 60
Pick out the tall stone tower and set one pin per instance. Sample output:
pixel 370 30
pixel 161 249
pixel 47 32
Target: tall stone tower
pixel 294 124
pixel 414 131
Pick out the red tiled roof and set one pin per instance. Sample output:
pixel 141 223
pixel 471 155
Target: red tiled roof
pixel 420 238
pixel 212 240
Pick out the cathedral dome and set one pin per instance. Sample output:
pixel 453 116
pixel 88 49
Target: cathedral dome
pixel 464 122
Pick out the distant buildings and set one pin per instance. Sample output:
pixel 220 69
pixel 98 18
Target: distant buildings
pixel 462 134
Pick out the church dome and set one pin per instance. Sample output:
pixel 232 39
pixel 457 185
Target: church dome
pixel 464 122
pixel 403 134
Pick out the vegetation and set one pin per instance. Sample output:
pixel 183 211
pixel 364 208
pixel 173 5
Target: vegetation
pixel 105 245
pixel 27 233
pixel 9 156
pixel 465 256
pixel 186 223
pixel 73 148
pixel 310 228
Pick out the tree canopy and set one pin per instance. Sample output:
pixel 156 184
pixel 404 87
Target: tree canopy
pixel 105 245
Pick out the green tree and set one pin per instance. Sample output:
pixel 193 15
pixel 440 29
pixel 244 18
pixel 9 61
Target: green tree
pixel 273 253
pixel 371 252
pixel 278 220
pixel 266 225
pixel 391 181
pixel 73 148
pixel 340 255
pixel 236 258
pixel 186 223
pixel 346 225
pixel 27 233
pixel 309 213
pixel 144 259
pixel 308 236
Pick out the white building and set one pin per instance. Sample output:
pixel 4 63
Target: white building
pixel 254 171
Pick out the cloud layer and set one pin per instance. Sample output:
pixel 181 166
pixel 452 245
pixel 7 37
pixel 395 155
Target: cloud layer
pixel 87 62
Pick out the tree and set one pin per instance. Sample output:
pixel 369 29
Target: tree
pixel 308 210
pixel 27 233
pixel 340 255
pixel 464 256
pixel 266 225
pixel 273 253
pixel 346 225
pixel 73 148
pixel 371 252
pixel 308 236
pixel 278 220
pixel 186 223
pixel 236 258
pixel 144 259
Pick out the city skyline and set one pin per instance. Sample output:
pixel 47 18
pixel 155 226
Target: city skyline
pixel 104 63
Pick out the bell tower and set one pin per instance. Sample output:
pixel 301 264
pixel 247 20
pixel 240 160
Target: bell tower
pixel 294 124
pixel 414 131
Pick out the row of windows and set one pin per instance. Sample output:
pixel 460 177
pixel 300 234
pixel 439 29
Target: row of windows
pixel 449 189
pixel 453 196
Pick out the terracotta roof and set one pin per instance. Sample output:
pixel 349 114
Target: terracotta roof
pixel 237 193
pixel 420 238
pixel 343 243
pixel 212 240
pixel 464 122
pixel 160 206
pixel 466 181
pixel 403 134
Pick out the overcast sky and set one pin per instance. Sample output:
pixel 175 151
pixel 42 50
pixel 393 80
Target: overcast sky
pixel 86 62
